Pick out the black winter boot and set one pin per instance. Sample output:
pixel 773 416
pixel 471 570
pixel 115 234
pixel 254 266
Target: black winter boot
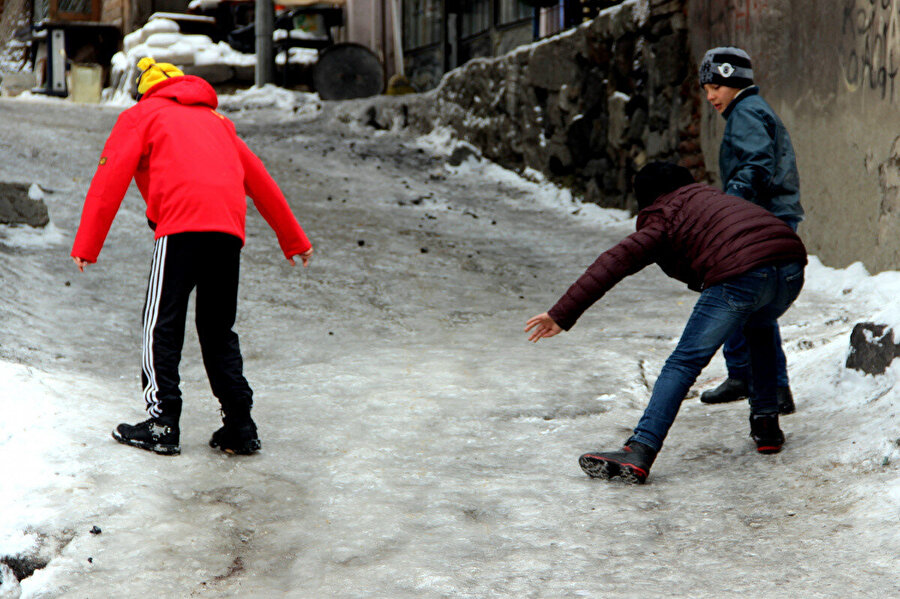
pixel 237 436
pixel 155 434
pixel 766 433
pixel 785 401
pixel 729 390
pixel 631 464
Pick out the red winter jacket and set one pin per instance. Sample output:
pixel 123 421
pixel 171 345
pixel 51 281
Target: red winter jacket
pixel 698 235
pixel 191 167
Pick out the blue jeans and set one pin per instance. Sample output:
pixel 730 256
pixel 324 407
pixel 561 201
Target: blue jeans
pixel 750 302
pixel 737 352
pixel 737 358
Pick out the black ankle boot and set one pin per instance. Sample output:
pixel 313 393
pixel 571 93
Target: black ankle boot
pixel 785 401
pixel 632 463
pixel 729 390
pixel 158 435
pixel 766 433
pixel 237 436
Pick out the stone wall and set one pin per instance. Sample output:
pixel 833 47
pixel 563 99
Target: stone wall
pixel 590 106
pixel 587 108
pixel 13 16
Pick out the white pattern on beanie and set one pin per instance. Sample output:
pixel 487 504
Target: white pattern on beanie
pixel 727 66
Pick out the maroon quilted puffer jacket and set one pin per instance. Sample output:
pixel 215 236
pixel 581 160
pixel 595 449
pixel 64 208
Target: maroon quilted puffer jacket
pixel 698 235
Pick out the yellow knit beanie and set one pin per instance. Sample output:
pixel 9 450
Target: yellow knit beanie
pixel 153 72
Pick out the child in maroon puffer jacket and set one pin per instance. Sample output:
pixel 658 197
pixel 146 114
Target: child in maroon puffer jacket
pixel 747 265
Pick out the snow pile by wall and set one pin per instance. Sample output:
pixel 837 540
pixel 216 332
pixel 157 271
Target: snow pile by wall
pixel 857 413
pixel 304 104
pixel 162 40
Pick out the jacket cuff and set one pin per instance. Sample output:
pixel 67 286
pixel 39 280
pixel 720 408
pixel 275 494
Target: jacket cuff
pixel 297 249
pixel 559 317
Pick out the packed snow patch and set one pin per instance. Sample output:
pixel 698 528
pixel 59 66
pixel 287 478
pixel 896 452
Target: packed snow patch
pixel 271 96
pixel 25 237
pixel 532 182
pixel 35 192
pixel 32 439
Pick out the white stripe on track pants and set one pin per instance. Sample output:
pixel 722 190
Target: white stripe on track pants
pixel 209 262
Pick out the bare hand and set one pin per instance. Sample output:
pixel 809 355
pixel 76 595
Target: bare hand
pixel 80 263
pixel 543 326
pixel 304 257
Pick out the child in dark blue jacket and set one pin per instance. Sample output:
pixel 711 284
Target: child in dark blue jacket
pixel 756 163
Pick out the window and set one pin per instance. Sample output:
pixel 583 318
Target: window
pixel 421 23
pixel 476 17
pixel 512 11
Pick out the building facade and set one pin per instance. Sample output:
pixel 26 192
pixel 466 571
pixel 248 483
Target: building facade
pixel 439 35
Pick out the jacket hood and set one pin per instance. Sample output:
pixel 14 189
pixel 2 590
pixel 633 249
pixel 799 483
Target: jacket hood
pixel 188 90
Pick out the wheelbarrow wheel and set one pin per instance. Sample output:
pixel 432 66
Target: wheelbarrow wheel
pixel 346 71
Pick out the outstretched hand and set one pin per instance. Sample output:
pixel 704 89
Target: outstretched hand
pixel 543 326
pixel 304 257
pixel 80 263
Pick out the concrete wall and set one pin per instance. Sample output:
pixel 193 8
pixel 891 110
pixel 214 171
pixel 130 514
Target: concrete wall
pixel 829 69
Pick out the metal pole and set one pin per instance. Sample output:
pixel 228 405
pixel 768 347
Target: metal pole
pixel 264 24
pixel 398 37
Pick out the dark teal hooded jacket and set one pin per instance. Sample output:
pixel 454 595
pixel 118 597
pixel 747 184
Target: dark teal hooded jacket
pixel 757 160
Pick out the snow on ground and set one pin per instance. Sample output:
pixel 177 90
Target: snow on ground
pixel 414 444
pixel 441 141
pixel 305 104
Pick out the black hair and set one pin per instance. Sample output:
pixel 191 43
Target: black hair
pixel 657 179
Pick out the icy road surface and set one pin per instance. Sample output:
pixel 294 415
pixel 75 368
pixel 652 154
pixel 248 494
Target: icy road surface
pixel 414 444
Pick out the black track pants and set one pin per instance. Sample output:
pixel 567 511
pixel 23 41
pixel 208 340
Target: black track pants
pixel 211 263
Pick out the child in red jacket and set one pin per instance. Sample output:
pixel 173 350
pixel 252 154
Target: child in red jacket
pixel 194 172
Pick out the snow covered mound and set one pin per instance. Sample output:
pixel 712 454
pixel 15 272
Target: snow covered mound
pixel 162 40
pixel 304 104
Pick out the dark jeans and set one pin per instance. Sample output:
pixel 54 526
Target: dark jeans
pixel 737 358
pixel 750 302
pixel 209 262
pixel 737 353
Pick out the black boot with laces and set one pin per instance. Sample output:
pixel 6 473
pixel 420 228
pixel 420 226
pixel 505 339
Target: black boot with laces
pixel 237 436
pixel 154 434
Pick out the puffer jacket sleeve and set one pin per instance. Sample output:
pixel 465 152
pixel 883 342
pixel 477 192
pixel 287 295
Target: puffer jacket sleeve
pixel 752 135
pixel 118 163
pixel 271 203
pixel 629 256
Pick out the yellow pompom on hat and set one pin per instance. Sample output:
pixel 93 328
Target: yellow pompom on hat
pixel 153 72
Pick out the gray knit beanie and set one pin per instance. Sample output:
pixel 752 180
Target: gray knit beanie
pixel 726 66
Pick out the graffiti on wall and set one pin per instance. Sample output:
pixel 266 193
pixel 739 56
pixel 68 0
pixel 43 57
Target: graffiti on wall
pixel 870 46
